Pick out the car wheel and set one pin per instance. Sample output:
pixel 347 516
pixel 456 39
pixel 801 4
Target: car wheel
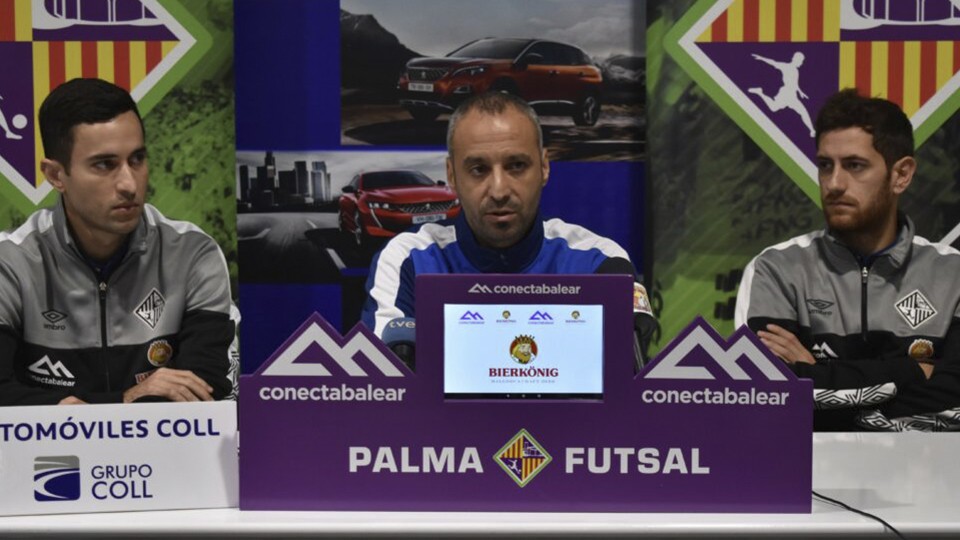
pixel 358 231
pixel 588 111
pixel 424 115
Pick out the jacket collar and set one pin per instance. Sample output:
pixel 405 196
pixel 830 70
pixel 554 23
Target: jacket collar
pixel 505 261
pixel 137 242
pixel 897 254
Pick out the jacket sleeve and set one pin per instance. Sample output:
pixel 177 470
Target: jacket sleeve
pixel 764 298
pixel 12 391
pixel 847 373
pixel 206 330
pixel 941 391
pixel 205 338
pixel 390 288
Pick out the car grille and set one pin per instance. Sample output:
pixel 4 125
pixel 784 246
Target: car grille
pixel 425 74
pixel 426 208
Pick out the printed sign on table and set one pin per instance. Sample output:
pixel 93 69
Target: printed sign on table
pixel 107 458
pixel 339 423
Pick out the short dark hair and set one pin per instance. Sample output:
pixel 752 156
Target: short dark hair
pixel 493 103
pixel 79 101
pixel 891 129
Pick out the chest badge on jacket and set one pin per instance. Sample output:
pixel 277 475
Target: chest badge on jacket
pixel 915 309
pixel 921 349
pixel 159 353
pixel 151 308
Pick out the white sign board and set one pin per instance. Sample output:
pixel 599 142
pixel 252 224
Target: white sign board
pixel 107 458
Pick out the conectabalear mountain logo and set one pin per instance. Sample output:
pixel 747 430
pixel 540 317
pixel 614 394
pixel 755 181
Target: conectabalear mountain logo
pixel 316 347
pixel 770 65
pixel 135 44
pixel 674 362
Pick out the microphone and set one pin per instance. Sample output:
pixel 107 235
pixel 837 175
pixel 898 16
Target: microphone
pixel 645 324
pixel 400 337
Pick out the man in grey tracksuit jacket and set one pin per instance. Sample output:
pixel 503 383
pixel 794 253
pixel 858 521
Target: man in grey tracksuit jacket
pixel 868 322
pixel 64 331
pixel 102 298
pixel 866 308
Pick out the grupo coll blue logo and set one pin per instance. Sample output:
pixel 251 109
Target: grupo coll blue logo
pixel 56 478
pixel 541 316
pixel 471 316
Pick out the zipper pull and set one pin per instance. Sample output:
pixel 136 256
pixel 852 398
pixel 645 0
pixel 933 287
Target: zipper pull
pixel 103 290
pixel 864 273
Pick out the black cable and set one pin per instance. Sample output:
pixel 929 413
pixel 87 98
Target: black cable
pixel 861 512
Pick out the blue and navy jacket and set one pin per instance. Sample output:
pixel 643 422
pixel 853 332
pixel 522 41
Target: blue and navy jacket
pixel 449 247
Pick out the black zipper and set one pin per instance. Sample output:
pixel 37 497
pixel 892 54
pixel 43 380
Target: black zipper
pixel 103 333
pixel 864 274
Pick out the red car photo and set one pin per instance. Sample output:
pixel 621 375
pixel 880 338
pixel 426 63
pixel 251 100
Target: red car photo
pixel 555 78
pixel 380 204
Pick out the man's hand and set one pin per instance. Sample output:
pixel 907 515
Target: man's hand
pixel 71 400
pixel 173 384
pixel 785 345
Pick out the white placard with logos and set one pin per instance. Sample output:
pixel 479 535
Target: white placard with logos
pixel 106 458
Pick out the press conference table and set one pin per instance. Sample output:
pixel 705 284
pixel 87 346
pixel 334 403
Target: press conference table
pixel 911 480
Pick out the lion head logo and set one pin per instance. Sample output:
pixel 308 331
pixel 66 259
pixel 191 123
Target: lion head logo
pixel 523 349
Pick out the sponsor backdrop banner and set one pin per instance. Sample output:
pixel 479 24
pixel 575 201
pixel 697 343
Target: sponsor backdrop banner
pixel 650 443
pixel 105 458
pixel 330 91
pixel 734 86
pixel 176 59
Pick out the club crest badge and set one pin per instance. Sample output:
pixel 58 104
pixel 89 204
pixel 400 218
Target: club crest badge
pixel 921 350
pixel 915 309
pixel 522 458
pixel 151 309
pixel 159 353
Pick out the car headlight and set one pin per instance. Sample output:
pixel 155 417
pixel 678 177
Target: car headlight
pixel 471 71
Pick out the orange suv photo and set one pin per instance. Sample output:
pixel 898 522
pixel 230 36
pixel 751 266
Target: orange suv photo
pixel 554 78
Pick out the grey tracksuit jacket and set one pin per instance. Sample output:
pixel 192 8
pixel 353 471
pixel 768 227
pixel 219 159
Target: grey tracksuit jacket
pixel 64 332
pixel 867 321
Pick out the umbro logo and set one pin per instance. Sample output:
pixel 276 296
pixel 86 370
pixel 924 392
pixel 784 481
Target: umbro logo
pixel 53 316
pixel 480 288
pixel 47 368
pixel 819 307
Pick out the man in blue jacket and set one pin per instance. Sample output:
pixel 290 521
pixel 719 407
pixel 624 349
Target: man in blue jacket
pixel 498 167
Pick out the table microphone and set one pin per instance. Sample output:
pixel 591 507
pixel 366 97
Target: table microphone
pixel 400 336
pixel 644 322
